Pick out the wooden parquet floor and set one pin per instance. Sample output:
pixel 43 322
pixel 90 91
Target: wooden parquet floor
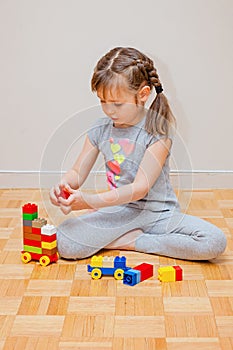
pixel 60 307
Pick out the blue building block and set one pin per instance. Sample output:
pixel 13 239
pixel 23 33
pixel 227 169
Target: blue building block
pixel 120 262
pixel 132 277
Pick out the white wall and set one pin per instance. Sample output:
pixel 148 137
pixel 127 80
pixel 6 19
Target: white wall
pixel 48 52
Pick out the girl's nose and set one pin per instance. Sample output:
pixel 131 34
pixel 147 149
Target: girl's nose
pixel 110 110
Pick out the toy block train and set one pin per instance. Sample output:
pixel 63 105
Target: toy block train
pixel 39 238
pixel 116 267
pixel 110 266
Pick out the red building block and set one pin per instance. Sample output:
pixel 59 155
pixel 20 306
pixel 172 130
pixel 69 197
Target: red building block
pixel 36 230
pixel 30 208
pixel 179 273
pixel 146 270
pixel 64 193
pixel 49 239
pixel 31 243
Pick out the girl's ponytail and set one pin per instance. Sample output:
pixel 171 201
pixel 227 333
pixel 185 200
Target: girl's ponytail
pixel 160 118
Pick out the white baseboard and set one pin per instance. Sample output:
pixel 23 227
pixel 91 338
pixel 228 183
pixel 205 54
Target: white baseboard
pixel 181 180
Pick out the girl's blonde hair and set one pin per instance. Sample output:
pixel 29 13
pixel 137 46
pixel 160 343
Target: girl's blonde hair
pixel 139 70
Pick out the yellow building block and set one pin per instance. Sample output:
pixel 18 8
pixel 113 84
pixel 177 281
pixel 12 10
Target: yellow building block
pixel 47 245
pixel 97 261
pixel 167 274
pixel 108 261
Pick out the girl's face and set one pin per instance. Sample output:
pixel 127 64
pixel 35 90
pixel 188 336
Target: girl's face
pixel 123 106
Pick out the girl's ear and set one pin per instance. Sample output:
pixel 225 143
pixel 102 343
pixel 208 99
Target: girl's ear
pixel 144 93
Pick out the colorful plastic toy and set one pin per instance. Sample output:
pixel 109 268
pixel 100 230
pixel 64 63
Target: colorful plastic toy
pixel 39 238
pixel 138 274
pixel 110 266
pixel 170 274
pixel 64 193
pixel 179 273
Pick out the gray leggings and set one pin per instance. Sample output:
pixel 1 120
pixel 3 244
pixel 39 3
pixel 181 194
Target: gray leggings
pixel 166 233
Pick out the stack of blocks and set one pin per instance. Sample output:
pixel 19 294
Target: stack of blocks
pixel 39 238
pixel 170 274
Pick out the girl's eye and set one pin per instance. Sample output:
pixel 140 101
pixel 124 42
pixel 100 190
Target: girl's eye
pixel 116 104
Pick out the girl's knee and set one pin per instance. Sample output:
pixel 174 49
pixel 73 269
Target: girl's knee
pixel 219 242
pixel 215 244
pixel 212 240
pixel 69 249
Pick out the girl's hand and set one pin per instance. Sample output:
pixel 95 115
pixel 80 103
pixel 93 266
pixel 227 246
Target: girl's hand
pixel 54 194
pixel 75 201
pixel 60 190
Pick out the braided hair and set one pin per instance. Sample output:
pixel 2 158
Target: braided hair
pixel 139 70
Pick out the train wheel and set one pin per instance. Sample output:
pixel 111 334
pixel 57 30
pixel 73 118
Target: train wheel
pixel 96 274
pixel 119 274
pixel 26 257
pixel 44 260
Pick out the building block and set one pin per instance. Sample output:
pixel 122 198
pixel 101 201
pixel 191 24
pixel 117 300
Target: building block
pixel 47 245
pixel 108 261
pixel 49 252
pixel 179 273
pixel 64 193
pixel 109 271
pixel 27 222
pixel 138 274
pixel 39 222
pixel 30 208
pixel 48 230
pixel 170 274
pixel 49 239
pixel 31 243
pixel 167 274
pixel 97 261
pixel 36 230
pixel 30 217
pixel 146 270
pixel 43 259
pixel 132 277
pixel 32 249
pixel 27 229
pixel 120 262
pixel 32 236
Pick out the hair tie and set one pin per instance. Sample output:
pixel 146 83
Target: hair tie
pixel 137 62
pixel 159 89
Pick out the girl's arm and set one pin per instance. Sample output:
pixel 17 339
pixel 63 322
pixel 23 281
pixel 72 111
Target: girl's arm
pixel 76 176
pixel 148 172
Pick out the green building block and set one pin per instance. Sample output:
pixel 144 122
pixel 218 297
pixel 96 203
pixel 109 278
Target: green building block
pixel 30 216
pixel 30 249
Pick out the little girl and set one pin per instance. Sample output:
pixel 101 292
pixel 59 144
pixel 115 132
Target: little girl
pixel 140 211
